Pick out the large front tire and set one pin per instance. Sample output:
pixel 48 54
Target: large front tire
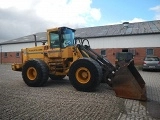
pixel 35 73
pixel 85 74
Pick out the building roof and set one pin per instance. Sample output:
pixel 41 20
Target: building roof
pixel 150 27
pixel 125 29
pixel 27 39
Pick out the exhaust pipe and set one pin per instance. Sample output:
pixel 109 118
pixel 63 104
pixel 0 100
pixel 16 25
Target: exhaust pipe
pixel 35 39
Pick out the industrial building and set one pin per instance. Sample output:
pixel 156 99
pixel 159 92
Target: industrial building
pixel 141 38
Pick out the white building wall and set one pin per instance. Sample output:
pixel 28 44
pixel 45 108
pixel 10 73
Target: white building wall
pixel 105 42
pixel 126 41
pixel 17 47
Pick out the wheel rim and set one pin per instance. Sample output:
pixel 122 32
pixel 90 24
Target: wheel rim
pixel 31 73
pixel 83 75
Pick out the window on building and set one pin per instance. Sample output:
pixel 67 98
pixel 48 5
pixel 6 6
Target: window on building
pixel 124 50
pixel 103 53
pixel 149 51
pixel 5 54
pixel 133 51
pixel 17 54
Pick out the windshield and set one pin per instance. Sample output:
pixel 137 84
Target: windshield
pixel 151 59
pixel 67 37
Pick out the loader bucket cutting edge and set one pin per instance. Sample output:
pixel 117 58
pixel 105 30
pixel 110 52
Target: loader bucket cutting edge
pixel 128 83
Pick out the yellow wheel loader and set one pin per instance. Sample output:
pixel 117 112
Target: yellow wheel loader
pixel 66 55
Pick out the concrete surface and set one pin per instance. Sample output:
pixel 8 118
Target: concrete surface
pixel 58 100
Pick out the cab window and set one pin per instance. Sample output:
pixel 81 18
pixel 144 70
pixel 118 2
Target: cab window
pixel 54 39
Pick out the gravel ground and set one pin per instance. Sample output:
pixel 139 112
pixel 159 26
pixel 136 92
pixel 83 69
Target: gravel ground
pixel 58 100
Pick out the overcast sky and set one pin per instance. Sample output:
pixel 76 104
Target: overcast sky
pixel 20 18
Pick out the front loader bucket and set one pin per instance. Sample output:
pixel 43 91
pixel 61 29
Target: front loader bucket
pixel 128 83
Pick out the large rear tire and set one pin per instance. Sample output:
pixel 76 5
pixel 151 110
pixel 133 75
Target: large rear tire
pixel 35 73
pixel 85 74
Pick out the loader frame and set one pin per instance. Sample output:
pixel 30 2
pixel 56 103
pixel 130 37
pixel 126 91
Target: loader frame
pixel 86 68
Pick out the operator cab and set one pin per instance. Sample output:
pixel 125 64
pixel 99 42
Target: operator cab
pixel 61 37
